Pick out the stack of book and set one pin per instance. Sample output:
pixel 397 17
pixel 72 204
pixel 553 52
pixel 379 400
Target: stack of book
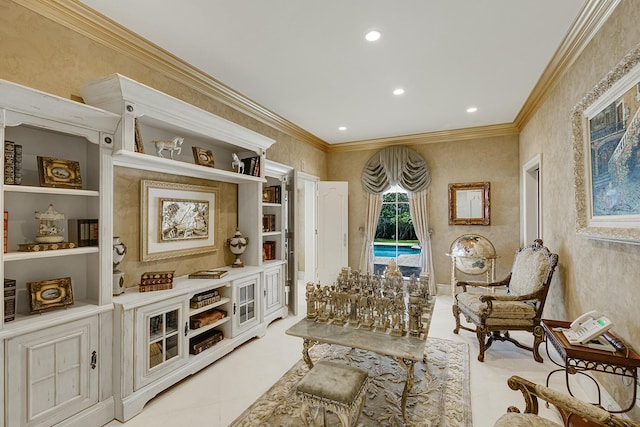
pixel 206 318
pixel 9 300
pixel 156 281
pixel 204 341
pixel 269 250
pixel 204 298
pixel 272 194
pixel 12 163
pixel 268 222
pixel 252 166
pixel 83 232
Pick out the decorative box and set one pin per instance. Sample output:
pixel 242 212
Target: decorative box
pixel 204 298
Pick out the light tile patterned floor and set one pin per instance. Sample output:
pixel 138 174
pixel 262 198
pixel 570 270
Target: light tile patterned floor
pixel 219 393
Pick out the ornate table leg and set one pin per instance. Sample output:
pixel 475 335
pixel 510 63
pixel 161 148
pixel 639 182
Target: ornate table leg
pixel 407 364
pixel 306 345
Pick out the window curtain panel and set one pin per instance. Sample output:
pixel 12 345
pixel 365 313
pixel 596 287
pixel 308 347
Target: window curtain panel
pixel 418 208
pixel 405 167
pixel 373 214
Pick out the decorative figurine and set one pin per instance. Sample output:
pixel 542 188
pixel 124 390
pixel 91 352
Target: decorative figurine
pixel 237 244
pixel 237 164
pixel 49 230
pixel 119 251
pixel 173 146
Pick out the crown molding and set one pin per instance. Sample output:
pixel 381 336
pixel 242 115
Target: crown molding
pixel 84 20
pixel 478 132
pixel 592 16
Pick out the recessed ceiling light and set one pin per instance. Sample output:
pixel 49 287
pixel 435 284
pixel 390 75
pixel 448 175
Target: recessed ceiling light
pixel 472 109
pixel 341 128
pixel 398 91
pixel 372 35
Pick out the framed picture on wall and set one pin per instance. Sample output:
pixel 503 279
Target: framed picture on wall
pixel 606 146
pixel 469 203
pixel 177 219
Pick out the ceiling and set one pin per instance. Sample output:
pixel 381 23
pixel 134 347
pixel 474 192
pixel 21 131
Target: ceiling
pixel 308 62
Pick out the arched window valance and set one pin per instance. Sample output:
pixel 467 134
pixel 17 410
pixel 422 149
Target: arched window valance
pixel 396 165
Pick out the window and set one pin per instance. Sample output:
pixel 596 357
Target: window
pixel 395 236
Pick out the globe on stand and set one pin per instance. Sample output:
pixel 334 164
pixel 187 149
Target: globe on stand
pixel 237 245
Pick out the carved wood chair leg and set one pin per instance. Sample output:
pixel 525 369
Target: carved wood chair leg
pixel 481 333
pixel 538 337
pixel 456 314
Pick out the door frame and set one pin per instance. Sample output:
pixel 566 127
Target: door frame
pixel 532 200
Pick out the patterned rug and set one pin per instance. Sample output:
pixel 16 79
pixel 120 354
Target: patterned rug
pixel 440 396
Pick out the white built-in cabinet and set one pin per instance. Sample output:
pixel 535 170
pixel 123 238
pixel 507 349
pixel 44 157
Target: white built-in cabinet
pixel 56 364
pixel 152 330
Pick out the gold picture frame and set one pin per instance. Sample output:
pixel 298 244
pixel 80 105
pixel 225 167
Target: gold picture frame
pixel 203 157
pixel 59 173
pixel 47 294
pixel 153 219
pixel 469 203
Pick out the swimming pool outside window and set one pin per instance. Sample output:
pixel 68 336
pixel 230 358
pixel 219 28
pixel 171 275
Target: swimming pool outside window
pixel 395 236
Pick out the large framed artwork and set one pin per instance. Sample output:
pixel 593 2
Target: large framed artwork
pixel 177 219
pixel 606 136
pixel 469 203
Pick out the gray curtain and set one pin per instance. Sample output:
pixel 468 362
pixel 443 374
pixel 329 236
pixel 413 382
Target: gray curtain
pixel 405 167
pixel 396 165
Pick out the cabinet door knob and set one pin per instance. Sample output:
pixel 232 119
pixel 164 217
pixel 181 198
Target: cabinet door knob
pixel 186 328
pixel 94 359
pixel 234 308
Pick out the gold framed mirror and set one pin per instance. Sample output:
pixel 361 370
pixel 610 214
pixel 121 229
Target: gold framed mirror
pixel 469 203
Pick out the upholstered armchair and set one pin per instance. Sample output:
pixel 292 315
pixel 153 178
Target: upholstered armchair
pixel 571 407
pixel 494 314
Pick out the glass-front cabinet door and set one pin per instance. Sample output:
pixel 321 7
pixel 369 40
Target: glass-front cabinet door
pixel 161 345
pixel 245 303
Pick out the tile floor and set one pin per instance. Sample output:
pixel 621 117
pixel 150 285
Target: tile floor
pixel 219 393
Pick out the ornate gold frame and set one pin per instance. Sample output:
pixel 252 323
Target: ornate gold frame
pixel 47 294
pixel 59 173
pixel 473 193
pixel 203 157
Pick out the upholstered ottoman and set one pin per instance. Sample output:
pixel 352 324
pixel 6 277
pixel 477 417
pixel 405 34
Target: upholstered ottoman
pixel 333 387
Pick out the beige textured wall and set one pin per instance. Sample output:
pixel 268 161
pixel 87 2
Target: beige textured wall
pixel 490 159
pixel 592 274
pixel 42 54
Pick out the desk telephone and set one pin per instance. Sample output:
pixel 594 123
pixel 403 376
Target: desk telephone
pixel 588 330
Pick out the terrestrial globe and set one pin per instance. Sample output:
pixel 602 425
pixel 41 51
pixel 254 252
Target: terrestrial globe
pixel 472 253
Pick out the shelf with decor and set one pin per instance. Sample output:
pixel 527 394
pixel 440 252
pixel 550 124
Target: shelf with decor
pixel 57 167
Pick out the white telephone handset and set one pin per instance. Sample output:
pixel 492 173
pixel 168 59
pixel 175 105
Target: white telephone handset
pixel 587 327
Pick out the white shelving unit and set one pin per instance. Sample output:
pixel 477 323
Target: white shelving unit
pixel 49 126
pixel 244 291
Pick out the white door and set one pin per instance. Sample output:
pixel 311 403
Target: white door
pixel 333 229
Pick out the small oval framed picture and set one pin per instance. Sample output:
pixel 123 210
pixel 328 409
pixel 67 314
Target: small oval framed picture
pixel 203 157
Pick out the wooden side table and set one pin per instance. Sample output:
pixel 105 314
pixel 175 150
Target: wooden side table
pixel 579 360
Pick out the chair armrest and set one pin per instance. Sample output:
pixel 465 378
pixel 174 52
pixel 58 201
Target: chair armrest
pixel 531 392
pixel 474 284
pixel 508 297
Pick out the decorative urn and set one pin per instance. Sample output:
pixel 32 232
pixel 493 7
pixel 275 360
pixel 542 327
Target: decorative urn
pixel 237 244
pixel 49 229
pixel 119 251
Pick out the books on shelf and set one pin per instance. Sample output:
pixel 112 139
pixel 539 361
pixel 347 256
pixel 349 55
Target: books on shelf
pixel 252 165
pixel 6 231
pixel 204 341
pixel 206 318
pixel 9 300
pixel 268 223
pixel 269 250
pixel 12 163
pixel 83 232
pixel 156 281
pixel 204 298
pixel 208 274
pixel 272 194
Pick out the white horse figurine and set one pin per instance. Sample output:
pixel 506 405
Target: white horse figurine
pixel 173 146
pixel 237 164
